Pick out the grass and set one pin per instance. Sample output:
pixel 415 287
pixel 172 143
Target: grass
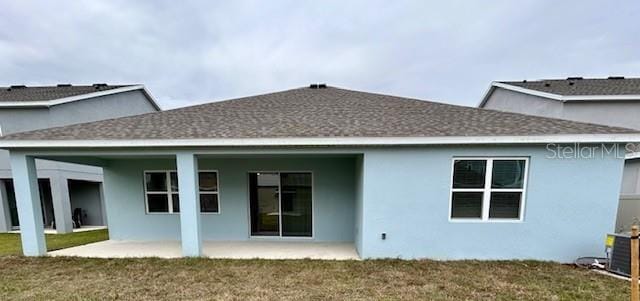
pixel 10 242
pixel 60 278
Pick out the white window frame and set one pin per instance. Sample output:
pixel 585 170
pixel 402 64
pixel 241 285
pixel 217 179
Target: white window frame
pixel 217 192
pixel 170 193
pixel 279 236
pixel 486 191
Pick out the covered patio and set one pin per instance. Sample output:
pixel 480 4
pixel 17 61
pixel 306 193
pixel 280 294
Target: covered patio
pixel 216 249
pixel 270 204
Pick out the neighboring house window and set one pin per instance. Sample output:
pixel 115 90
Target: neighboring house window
pixel 488 189
pixel 161 192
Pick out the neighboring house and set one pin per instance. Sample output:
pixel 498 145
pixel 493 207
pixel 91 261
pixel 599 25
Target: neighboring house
pixel 395 177
pixel 63 187
pixel 613 101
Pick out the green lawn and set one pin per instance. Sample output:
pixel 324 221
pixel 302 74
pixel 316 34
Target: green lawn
pixel 60 278
pixel 10 243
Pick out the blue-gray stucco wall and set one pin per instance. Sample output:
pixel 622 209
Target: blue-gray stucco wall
pixel 333 197
pixel 570 206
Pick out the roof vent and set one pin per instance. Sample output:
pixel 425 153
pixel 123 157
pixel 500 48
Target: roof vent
pixel 615 77
pixel 571 83
pixel 17 87
pixel 98 86
pixel 318 86
pixel 574 78
pixel 547 84
pixel 64 85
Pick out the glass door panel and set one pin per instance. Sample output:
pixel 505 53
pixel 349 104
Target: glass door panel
pixel 11 198
pixel 264 198
pixel 296 204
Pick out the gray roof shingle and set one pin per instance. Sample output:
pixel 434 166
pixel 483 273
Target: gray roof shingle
pixel 582 87
pixel 305 112
pixel 43 93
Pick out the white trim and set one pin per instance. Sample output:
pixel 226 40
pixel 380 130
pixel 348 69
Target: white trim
pixel 527 91
pixel 58 101
pixel 629 196
pixel 487 189
pixel 325 141
pixel 152 99
pixel 553 96
pixel 633 155
pixel 599 97
pixel 486 95
pixel 217 192
pixel 486 194
pixel 170 193
pixel 280 236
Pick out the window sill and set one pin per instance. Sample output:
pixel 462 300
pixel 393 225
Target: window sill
pixel 480 221
pixel 280 238
pixel 178 213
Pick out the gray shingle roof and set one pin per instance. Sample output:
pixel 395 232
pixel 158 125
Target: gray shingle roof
pixel 305 112
pixel 583 87
pixel 42 93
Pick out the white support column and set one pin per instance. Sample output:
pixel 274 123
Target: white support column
pixel 25 181
pixel 191 236
pixel 5 210
pixel 61 203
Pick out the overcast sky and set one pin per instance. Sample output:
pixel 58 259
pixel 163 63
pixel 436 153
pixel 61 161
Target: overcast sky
pixel 189 52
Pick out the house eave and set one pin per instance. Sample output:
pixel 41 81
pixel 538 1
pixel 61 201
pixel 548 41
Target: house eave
pixel 561 98
pixel 322 141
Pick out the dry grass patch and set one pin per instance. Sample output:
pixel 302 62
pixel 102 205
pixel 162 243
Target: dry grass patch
pixel 161 279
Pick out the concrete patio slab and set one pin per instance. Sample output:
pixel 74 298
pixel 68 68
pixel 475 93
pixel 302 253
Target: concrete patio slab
pixel 216 249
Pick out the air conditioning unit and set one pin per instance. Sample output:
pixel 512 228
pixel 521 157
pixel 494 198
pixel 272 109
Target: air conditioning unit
pixel 619 253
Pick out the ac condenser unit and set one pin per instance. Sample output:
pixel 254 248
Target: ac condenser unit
pixel 619 250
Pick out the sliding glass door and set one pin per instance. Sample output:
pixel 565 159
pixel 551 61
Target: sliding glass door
pixel 264 190
pixel 280 204
pixel 295 202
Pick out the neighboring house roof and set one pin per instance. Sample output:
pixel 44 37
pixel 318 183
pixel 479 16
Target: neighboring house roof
pixel 308 116
pixel 583 86
pixel 574 89
pixel 45 96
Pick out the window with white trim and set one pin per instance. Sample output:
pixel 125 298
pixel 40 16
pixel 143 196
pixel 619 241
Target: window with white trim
pixel 208 181
pixel 162 195
pixel 488 189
